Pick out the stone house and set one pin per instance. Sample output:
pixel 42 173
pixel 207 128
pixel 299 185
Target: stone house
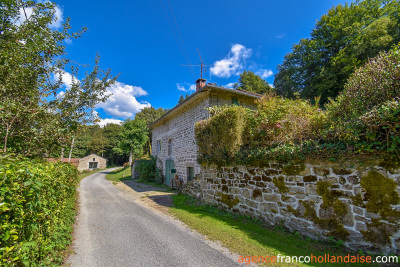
pixel 173 140
pixel 92 162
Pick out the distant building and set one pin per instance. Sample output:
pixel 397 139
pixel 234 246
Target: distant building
pixel 90 162
pixel 173 137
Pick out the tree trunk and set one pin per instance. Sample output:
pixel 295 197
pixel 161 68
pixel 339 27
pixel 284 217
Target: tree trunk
pixel 130 157
pixel 70 152
pixel 62 154
pixel 5 142
pixel 150 147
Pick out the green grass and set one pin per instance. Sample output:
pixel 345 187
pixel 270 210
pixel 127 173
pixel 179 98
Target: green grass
pixel 119 175
pixel 246 236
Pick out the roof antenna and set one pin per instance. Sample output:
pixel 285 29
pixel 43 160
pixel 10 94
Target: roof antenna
pixel 201 65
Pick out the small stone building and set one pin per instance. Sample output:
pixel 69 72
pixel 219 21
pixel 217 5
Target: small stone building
pixel 92 162
pixel 173 137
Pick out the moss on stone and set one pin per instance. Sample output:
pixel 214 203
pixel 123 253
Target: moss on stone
pixel 381 194
pixel 294 168
pixel 227 199
pixel 280 183
pixel 293 211
pixel 378 233
pixel 357 201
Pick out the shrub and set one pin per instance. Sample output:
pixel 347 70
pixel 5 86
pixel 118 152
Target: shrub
pixel 281 120
pixel 37 209
pixel 221 136
pixel 369 86
pixel 148 170
pixel 383 127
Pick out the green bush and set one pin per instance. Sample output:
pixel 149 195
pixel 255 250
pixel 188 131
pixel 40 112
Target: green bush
pixel 369 86
pixel 382 127
pixel 281 120
pixel 222 135
pixel 37 211
pixel 148 170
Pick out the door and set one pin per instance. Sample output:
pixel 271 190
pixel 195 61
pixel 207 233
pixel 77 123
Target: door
pixel 169 165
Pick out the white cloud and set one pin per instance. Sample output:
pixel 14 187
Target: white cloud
pixel 279 36
pixel 104 122
pixel 233 63
pixel 264 73
pixel 67 78
pixel 122 102
pixel 186 87
pixel 229 85
pixel 58 15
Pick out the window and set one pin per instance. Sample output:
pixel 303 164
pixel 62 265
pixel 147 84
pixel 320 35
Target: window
pixel 94 159
pixel 235 101
pixel 93 165
pixel 169 147
pixel 158 146
pixel 190 173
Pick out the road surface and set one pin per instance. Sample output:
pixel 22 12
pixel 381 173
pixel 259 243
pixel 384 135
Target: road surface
pixel 114 230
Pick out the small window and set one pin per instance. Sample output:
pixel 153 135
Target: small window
pixel 92 165
pixel 94 159
pixel 235 101
pixel 190 173
pixel 158 146
pixel 169 147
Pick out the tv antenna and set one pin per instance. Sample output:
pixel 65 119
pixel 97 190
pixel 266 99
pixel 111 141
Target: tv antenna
pixel 201 65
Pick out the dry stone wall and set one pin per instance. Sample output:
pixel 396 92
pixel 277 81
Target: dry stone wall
pixel 360 206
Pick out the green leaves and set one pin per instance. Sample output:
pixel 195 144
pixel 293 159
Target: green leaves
pixel 37 208
pixel 342 40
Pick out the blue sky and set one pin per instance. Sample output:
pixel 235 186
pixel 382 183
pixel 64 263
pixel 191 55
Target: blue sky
pixel 135 39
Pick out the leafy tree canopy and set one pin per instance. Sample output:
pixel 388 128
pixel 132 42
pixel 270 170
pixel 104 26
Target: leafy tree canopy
pixel 150 115
pixel 251 82
pixel 37 113
pixel 342 40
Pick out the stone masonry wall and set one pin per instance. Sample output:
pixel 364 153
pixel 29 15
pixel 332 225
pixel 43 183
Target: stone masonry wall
pixel 359 206
pixel 180 129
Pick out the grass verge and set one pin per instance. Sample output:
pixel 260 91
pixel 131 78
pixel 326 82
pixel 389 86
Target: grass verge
pixel 84 174
pixel 119 175
pixel 249 237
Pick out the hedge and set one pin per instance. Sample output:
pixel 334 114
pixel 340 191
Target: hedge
pixel 37 211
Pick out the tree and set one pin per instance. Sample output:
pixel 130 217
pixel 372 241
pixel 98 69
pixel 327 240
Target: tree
pixel 150 115
pixel 133 137
pixel 342 40
pixel 181 99
pixel 248 81
pixel 37 113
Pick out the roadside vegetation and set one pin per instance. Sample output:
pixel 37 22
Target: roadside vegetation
pixel 363 121
pixel 119 175
pixel 250 237
pixel 37 211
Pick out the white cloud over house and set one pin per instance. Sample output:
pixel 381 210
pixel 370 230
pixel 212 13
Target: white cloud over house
pixel 186 87
pixel 229 85
pixel 233 63
pixel 122 102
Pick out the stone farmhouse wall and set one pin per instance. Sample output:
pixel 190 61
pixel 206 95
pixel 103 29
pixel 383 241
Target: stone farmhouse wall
pixel 180 130
pixel 359 206
pixel 84 162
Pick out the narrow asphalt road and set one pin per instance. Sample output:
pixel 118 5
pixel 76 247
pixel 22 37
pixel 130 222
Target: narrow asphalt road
pixel 113 230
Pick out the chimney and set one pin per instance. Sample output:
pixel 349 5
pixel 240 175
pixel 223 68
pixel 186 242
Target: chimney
pixel 200 83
